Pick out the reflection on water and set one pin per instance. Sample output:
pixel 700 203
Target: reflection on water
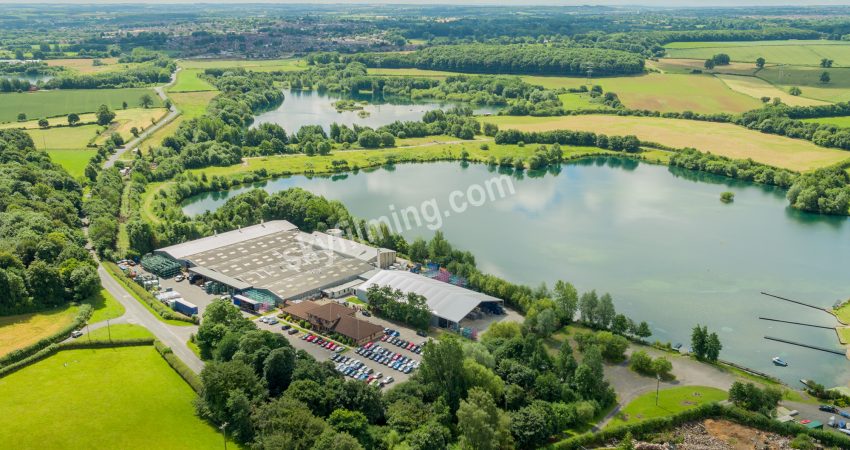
pixel 665 247
pixel 301 108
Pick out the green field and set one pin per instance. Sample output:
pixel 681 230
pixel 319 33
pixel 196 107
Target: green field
pixel 841 121
pixel 580 102
pixel 126 398
pixel 62 102
pixel 797 52
pixel 663 92
pixel 410 72
pixel 758 88
pixel 73 161
pixel 105 307
pixel 188 81
pixel 808 79
pixel 257 65
pixel 719 138
pixel 119 331
pixel 64 138
pixel 670 401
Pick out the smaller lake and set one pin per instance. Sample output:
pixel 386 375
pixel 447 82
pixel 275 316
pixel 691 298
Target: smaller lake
pixel 34 79
pixel 301 108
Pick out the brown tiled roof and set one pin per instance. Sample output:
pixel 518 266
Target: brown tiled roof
pixel 300 310
pixel 356 329
pixel 330 312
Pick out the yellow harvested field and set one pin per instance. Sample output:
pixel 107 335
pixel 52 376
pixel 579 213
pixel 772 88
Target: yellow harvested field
pixel 718 138
pixel 256 65
pixel 663 92
pixel 26 329
pixel 86 65
pixel 758 88
pixel 127 119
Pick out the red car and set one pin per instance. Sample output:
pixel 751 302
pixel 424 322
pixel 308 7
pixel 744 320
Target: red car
pixel 410 346
pixel 396 356
pixel 369 345
pixel 311 338
pixel 384 338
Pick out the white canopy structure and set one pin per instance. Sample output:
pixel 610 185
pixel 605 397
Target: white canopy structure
pixel 445 300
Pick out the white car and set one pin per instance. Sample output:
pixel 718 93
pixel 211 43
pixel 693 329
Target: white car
pixel 272 320
pixel 76 333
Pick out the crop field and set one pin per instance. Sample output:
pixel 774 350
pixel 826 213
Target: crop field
pixel 685 66
pixel 123 398
pixel 796 52
pixel 62 102
pixel 758 88
pixel 257 65
pixel 188 81
pixel 664 92
pixel 86 65
pixel 718 138
pixel 670 401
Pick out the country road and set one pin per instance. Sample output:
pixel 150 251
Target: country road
pixel 172 114
pixel 173 336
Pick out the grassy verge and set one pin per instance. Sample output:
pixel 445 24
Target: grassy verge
pixel 119 331
pixel 148 402
pixel 104 307
pixel 137 292
pixel 670 401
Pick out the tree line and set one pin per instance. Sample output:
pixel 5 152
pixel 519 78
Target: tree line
pixel 509 59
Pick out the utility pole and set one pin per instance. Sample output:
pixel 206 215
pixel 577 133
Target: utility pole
pixel 657 388
pixel 108 330
pixel 223 428
pixel 88 332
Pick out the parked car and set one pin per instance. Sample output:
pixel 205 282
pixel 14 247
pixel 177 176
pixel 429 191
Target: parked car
pixel 179 278
pixel 76 333
pixel 828 408
pixel 389 380
pixel 272 321
pixel 832 423
pixel 421 333
pixel 292 331
pixel 366 313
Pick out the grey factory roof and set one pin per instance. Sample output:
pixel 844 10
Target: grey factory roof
pixel 181 251
pixel 344 246
pixel 274 256
pixel 444 300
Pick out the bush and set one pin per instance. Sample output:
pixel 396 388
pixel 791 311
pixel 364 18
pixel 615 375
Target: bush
pixel 179 366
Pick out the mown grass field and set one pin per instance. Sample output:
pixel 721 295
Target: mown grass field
pixel 796 52
pixel 670 401
pixel 719 138
pixel 758 88
pixel 86 66
pixel 580 102
pixel 808 79
pixel 63 102
pixel 126 398
pixel 664 92
pixel 841 121
pixel 119 331
pixel 257 65
pixel 64 138
pixel 188 81
pixel 191 104
pixel 73 161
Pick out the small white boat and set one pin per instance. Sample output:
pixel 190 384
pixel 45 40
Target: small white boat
pixel 779 362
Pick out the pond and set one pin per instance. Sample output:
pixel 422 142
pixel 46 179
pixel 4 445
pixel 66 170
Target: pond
pixel 657 238
pixel 301 108
pixel 33 79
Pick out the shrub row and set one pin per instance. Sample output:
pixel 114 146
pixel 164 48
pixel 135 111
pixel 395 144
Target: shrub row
pixel 179 366
pixel 143 295
pixel 648 427
pixel 22 353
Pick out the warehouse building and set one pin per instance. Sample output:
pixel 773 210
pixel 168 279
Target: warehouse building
pixel 275 262
pixel 449 304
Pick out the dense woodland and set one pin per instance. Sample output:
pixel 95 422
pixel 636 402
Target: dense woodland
pixel 43 261
pixel 510 59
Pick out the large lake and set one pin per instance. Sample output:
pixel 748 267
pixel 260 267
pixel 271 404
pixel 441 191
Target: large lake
pixel 657 238
pixel 301 108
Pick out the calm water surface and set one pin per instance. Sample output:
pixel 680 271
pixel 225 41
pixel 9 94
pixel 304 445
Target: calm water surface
pixel 301 108
pixel 657 238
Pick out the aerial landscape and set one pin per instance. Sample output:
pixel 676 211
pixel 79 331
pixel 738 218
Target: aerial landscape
pixel 425 225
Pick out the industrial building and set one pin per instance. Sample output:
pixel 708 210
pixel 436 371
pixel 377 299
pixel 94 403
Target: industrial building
pixel 449 304
pixel 273 262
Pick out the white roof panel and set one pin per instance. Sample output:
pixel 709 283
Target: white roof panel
pixel 181 251
pixel 444 300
